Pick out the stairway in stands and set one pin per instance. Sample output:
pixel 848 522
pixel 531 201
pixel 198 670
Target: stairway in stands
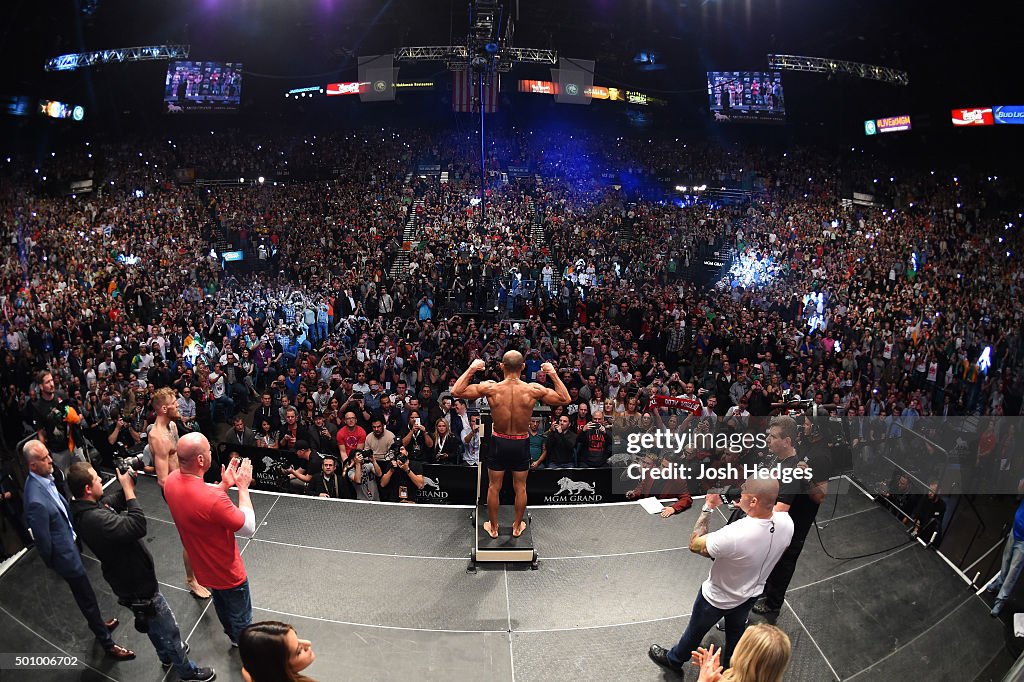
pixel 400 268
pixel 540 238
pixel 626 232
pixel 537 234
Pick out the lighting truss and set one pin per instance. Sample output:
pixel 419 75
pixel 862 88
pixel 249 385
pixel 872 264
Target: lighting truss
pixel 70 62
pixel 532 55
pixel 488 45
pixel 885 74
pixel 434 53
pixel 456 57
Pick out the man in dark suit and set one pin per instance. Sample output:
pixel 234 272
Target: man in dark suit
pixel 48 514
pixel 12 508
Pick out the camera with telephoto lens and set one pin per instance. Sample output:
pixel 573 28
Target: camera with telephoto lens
pixel 131 463
pixel 130 459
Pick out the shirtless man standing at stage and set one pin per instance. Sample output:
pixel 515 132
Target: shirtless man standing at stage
pixel 163 444
pixel 511 401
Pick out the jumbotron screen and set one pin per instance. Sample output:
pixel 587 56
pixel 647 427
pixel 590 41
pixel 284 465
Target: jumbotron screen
pixel 202 86
pixel 746 96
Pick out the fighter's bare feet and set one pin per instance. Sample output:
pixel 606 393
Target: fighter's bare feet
pixel 518 530
pixel 487 527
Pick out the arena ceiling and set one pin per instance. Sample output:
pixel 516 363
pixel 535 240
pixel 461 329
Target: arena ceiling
pixel 951 54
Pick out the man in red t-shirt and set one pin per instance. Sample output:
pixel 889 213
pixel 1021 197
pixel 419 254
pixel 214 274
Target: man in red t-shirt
pixel 207 522
pixel 351 437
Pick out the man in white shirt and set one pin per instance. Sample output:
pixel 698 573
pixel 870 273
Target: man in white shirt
pixel 222 403
pixel 745 552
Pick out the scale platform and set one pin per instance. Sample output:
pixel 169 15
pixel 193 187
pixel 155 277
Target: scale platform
pixel 504 547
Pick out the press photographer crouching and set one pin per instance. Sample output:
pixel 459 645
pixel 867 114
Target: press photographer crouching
pixel 302 467
pixel 113 527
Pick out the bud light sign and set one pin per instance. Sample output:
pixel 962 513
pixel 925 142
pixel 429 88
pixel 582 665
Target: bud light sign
pixel 1008 114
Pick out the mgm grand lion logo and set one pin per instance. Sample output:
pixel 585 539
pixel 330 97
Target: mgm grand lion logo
pixel 271 473
pixel 573 492
pixel 431 491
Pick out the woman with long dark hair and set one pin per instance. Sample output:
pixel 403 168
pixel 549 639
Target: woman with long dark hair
pixel 272 652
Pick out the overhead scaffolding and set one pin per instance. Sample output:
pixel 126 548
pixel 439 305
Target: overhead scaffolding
pixel 70 62
pixel 884 74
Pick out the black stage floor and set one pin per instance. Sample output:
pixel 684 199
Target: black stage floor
pixel 383 593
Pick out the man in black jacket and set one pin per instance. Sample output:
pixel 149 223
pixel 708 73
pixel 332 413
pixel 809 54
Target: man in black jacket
pixel 560 445
pixel 113 528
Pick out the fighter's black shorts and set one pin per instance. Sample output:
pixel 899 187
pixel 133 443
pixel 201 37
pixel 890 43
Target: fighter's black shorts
pixel 509 453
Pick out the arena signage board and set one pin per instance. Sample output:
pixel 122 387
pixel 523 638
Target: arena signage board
pixel 1008 114
pixel 634 97
pixel 893 124
pixel 55 109
pixel 977 116
pixel 889 124
pixel 538 87
pixel 350 88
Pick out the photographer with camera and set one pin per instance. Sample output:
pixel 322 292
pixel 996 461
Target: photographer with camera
pixel 355 404
pixel 363 471
pixel 401 477
pixel 303 465
pixel 113 527
pixel 123 438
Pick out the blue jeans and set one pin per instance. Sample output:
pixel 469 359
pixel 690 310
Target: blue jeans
pixel 1013 562
pixel 702 619
pixel 234 609
pixel 224 406
pixel 166 638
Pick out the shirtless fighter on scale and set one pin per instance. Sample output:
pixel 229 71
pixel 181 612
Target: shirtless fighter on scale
pixel 511 401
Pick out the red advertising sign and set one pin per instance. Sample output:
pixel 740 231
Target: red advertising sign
pixel 538 87
pixel 334 89
pixel 978 116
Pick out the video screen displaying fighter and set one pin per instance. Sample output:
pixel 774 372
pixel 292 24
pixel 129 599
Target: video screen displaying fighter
pixel 203 86
pixel 746 95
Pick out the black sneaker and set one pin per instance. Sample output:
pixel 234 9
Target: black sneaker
pixel 659 655
pixel 168 664
pixel 200 675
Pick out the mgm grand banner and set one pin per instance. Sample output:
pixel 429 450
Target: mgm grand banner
pixel 452 483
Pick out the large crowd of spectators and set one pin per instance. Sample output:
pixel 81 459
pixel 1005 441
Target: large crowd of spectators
pixel 904 309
